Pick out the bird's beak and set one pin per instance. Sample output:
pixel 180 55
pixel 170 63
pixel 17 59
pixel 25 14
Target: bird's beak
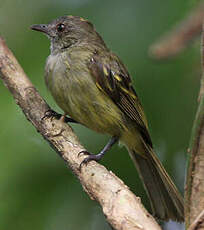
pixel 40 27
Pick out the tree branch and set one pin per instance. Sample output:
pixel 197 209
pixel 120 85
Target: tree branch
pixel 194 191
pixel 179 37
pixel 121 207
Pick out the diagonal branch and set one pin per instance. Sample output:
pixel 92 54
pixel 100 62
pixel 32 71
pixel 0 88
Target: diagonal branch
pixel 194 192
pixel 121 207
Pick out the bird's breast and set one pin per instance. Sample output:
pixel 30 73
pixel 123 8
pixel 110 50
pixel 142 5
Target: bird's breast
pixel 75 91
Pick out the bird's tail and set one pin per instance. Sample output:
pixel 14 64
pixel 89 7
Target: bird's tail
pixel 166 201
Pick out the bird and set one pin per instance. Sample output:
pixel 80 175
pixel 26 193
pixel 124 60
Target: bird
pixel 91 84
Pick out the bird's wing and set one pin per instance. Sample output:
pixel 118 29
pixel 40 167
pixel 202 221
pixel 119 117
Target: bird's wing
pixel 112 78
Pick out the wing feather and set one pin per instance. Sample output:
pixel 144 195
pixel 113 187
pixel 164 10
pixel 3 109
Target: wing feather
pixel 113 79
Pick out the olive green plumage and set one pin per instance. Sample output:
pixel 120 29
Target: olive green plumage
pixel 93 87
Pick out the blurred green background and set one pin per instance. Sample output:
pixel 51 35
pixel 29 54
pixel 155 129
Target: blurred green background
pixel 37 191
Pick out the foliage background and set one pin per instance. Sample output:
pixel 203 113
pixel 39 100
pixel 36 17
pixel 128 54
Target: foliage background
pixel 37 191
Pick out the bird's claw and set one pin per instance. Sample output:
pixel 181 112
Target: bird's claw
pixel 84 152
pixel 91 157
pixel 51 114
pixel 85 161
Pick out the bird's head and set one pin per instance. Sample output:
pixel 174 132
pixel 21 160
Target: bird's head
pixel 67 31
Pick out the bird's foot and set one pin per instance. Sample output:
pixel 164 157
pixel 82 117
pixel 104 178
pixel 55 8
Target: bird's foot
pixel 51 114
pixel 90 157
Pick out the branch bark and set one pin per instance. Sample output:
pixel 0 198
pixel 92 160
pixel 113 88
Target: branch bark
pixel 194 191
pixel 121 207
pixel 179 37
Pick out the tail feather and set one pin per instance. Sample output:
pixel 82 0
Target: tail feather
pixel 166 201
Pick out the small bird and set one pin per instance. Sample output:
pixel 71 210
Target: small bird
pixel 93 87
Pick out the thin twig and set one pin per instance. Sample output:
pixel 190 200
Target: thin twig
pixel 121 207
pixel 179 37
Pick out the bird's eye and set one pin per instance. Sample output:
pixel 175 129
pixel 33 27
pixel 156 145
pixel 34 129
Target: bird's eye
pixel 60 27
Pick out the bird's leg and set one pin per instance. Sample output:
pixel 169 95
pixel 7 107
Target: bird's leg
pixel 98 156
pixel 69 119
pixel 51 113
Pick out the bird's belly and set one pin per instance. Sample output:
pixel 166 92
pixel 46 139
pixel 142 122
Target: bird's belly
pixel 96 113
pixel 85 103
